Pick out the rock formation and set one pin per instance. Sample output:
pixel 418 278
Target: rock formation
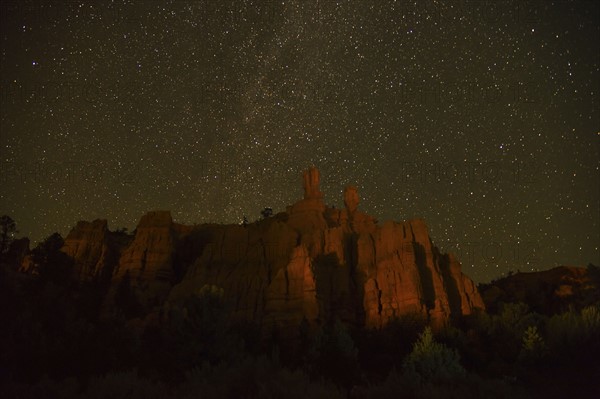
pixel 351 198
pixel 311 178
pixel 546 292
pixel 148 258
pixel 307 214
pixel 95 250
pixel 310 264
pixel 318 263
pixel 87 244
pixel 150 261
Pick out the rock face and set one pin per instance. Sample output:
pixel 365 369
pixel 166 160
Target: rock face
pixel 315 263
pixel 260 268
pixel 95 250
pixel 149 262
pixel 310 264
pixel 311 178
pixel 351 198
pixel 87 244
pixel 149 257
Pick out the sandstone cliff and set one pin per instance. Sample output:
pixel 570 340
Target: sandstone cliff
pixel 310 264
pixel 318 263
pixel 87 244
pixel 151 261
pixel 95 250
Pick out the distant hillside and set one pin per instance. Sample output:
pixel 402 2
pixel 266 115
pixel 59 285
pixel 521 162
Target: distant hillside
pixel 546 292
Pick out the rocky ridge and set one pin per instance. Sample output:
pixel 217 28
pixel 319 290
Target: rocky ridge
pixel 309 264
pixel 546 292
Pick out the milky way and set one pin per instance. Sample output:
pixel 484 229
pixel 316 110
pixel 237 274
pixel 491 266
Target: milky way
pixel 479 116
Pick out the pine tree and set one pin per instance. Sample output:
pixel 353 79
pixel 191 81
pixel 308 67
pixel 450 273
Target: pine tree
pixel 432 361
pixel 534 347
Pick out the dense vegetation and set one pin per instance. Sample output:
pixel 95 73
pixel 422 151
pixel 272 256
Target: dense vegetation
pixel 57 342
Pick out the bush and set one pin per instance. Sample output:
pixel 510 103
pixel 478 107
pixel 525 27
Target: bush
pixel 465 387
pixel 431 361
pixel 126 385
pixel 254 378
pixel 333 355
pixel 590 319
pixel 573 336
pixel 534 347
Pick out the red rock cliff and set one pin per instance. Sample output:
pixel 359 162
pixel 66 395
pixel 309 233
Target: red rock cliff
pixel 311 263
pixel 87 244
pixel 317 263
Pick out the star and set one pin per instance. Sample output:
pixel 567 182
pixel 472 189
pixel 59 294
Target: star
pixel 454 113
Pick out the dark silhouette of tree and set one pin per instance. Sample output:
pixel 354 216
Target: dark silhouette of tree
pixel 52 264
pixel 8 228
pixel 125 298
pixel 333 354
pixel 267 212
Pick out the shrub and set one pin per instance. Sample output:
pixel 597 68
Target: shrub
pixel 534 347
pixel 126 385
pixel 254 378
pixel 333 355
pixel 431 361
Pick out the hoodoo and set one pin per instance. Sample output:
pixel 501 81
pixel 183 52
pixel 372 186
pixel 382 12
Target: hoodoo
pixel 309 264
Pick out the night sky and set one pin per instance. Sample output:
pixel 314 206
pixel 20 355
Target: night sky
pixel 481 117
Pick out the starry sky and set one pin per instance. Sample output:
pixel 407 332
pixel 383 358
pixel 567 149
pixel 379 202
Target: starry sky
pixel 481 117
